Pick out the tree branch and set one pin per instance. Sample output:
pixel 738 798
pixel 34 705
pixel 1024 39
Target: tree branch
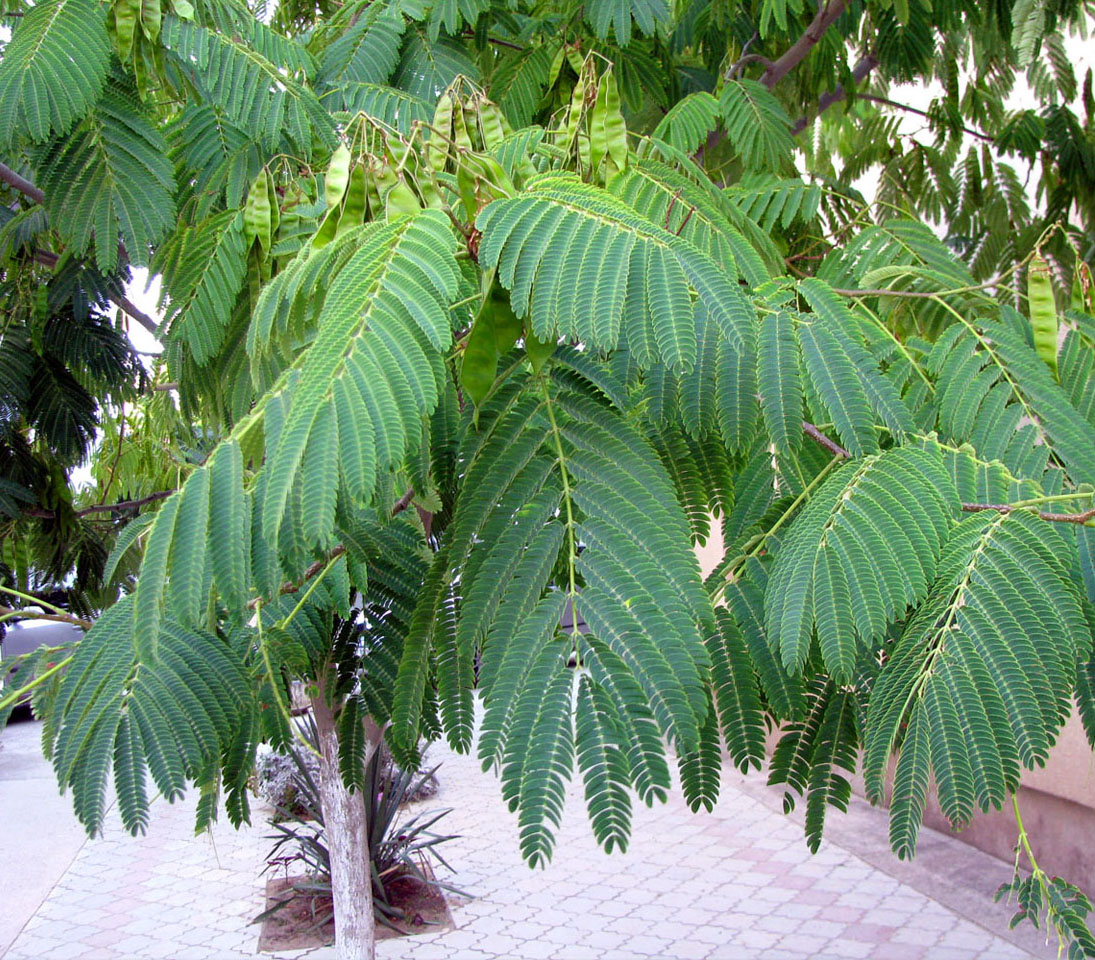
pixel 831 445
pixel 103 507
pixel 826 16
pixel 838 451
pixel 886 101
pixel 291 586
pixel 132 310
pixel 827 99
pixel 1042 514
pixel 49 259
pixel 24 186
pixel 6 612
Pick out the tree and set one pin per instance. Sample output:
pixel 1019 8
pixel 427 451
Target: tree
pixel 474 313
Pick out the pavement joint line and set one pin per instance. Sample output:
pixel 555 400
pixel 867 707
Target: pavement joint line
pixel 591 911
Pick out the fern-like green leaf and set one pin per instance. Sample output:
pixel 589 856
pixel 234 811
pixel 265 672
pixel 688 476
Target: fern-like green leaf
pixel 203 269
pixel 556 213
pixel 366 52
pixel 44 87
pixel 254 91
pixel 382 323
pixel 603 760
pixel 756 125
pixel 689 122
pixel 142 707
pixel 110 181
pixel 539 753
pixel 737 697
pixel 618 14
pixel 780 382
pixel 863 550
pixel 985 666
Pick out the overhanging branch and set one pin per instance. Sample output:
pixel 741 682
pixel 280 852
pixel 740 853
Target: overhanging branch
pixel 838 451
pixel 49 259
pixel 826 16
pixel 291 586
pixel 827 99
pixel 24 186
pixel 103 507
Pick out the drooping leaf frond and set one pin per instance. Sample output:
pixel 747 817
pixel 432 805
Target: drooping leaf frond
pixel 551 467
pixel 254 92
pixel 519 82
pixel 772 201
pixel 996 393
pixel 581 264
pixel 367 52
pixel 863 550
pixel 110 181
pixel 689 122
pixel 203 269
pixel 428 67
pixel 737 697
pixel 170 715
pixel 980 674
pixel 44 87
pixel 618 14
pixel 780 379
pixel 672 201
pixel 757 125
pixel 392 107
pixel 382 325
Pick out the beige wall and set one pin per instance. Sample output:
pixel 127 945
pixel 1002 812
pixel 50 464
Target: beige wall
pixel 1057 801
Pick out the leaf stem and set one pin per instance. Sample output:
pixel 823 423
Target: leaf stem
pixel 571 548
pixel 752 546
pixel 307 593
pixel 16 695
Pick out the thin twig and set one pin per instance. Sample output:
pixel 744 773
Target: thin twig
pixel 103 507
pixel 831 445
pixel 1042 514
pixel 837 450
pixel 291 586
pixel 886 101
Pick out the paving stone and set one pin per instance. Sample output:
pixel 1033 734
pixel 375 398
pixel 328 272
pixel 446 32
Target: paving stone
pixel 735 884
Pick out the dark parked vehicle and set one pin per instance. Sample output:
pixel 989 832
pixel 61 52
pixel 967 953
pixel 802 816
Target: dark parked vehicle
pixel 25 636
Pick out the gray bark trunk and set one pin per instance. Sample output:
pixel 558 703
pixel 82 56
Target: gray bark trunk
pixel 347 840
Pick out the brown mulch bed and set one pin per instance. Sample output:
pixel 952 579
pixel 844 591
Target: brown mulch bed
pixel 294 927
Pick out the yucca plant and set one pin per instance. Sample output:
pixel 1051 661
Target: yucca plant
pixel 476 315
pixel 400 846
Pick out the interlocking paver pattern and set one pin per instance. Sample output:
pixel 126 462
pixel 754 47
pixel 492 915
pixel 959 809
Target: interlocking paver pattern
pixel 732 884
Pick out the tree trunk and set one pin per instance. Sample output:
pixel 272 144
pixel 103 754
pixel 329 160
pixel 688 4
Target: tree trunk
pixel 347 839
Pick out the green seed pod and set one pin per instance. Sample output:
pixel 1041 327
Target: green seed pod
pixel 400 201
pixel 480 363
pixel 127 13
pixel 355 202
pixel 1043 311
pixel 257 224
pixel 437 147
pixel 338 176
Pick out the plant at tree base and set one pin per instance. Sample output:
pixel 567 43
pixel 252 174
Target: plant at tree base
pixel 398 848
pixel 472 314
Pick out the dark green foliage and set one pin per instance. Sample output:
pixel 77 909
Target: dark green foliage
pixel 44 89
pixel 450 390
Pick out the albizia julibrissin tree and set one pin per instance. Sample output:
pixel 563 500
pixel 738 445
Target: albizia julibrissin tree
pixel 475 312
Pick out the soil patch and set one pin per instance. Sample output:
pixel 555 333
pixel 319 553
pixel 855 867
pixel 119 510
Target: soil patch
pixel 294 926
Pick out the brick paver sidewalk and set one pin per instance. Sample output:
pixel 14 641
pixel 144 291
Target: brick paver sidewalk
pixel 736 883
